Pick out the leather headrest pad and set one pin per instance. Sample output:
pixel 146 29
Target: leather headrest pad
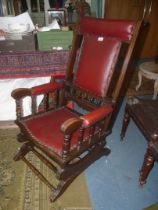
pixel 121 29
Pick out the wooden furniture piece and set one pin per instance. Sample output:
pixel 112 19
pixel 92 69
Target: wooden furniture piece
pixel 136 10
pixel 145 115
pixel 27 43
pixel 148 70
pixel 70 140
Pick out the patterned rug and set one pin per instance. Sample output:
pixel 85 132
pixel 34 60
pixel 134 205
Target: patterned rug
pixel 20 189
pixel 33 63
pixel 12 175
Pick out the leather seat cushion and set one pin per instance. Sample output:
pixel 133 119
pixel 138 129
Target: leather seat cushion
pixel 45 129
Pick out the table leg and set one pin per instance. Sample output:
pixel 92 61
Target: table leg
pixel 125 123
pixel 155 89
pixel 147 166
pixel 139 80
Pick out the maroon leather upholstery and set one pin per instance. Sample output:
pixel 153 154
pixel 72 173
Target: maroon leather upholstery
pixel 50 135
pixel 101 53
pixel 121 29
pixel 45 88
pixel 96 115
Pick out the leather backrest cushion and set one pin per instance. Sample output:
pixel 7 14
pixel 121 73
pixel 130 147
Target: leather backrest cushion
pixel 121 29
pixel 96 63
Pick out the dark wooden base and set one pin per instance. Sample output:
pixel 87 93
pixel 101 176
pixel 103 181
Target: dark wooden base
pixel 66 173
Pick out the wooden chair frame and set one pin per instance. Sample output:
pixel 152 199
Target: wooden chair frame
pixel 100 109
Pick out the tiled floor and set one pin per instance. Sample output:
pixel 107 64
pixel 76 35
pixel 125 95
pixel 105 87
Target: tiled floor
pixel 113 180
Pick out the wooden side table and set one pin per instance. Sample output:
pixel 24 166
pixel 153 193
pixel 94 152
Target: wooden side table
pixel 145 115
pixel 150 71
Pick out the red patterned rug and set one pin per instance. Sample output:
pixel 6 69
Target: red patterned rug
pixel 33 63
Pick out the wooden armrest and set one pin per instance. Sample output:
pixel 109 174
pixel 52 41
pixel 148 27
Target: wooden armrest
pixel 71 125
pixel 45 88
pixel 96 115
pixel 20 93
pixel 58 76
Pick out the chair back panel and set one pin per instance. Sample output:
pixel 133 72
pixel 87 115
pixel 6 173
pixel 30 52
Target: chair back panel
pixel 97 60
pixel 121 29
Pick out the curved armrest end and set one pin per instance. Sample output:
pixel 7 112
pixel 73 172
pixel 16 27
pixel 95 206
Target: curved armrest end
pixel 20 93
pixel 71 125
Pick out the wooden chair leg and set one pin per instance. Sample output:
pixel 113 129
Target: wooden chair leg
pixel 25 148
pixel 147 166
pixel 62 186
pixel 21 138
pixel 125 124
pixel 67 176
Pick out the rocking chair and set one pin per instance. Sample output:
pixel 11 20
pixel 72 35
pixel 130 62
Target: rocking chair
pixel 64 139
